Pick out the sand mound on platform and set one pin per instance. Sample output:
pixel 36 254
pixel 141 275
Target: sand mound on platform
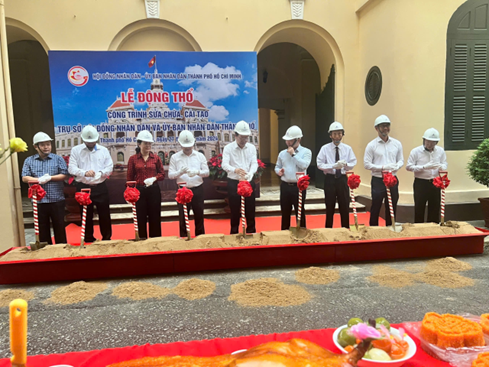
pixel 315 275
pixel 210 241
pixel 76 292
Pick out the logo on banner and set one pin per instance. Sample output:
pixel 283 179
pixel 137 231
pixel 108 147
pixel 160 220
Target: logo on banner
pixel 78 76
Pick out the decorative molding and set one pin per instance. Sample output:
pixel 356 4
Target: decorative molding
pixel 152 8
pixel 297 9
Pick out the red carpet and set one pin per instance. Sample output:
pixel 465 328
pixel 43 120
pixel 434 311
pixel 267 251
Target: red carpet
pixel 126 231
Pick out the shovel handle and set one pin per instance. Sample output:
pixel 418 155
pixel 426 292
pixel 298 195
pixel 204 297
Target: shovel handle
pixel 131 183
pixel 18 332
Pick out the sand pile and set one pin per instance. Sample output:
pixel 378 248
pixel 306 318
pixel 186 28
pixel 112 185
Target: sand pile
pixel 315 275
pixel 8 295
pixel 268 292
pixel 140 290
pixel 444 279
pixel 209 241
pixel 193 289
pixel 390 277
pixel 76 292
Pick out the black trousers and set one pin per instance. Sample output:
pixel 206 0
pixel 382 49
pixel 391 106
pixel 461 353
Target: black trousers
pixel 100 198
pixel 235 205
pixel 379 195
pixel 289 197
pixel 148 209
pixel 197 206
pixel 54 213
pixel 426 192
pixel 337 189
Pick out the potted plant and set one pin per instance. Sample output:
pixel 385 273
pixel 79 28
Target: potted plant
pixel 478 169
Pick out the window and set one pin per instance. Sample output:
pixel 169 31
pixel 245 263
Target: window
pixel 159 134
pixel 256 139
pixel 162 156
pixel 197 134
pixel 201 151
pixel 213 153
pixel 57 144
pixel 251 139
pixel 62 143
pixel 75 141
pixel 226 137
pixel 211 133
pixel 69 142
pixel 106 135
pixel 170 133
pixel 120 157
pixel 120 134
pixel 467 92
pixel 218 136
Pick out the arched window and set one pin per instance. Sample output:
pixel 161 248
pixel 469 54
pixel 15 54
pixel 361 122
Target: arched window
pixel 467 92
pixel 162 156
pixel 218 136
pixel 170 154
pixel 201 151
pixel 159 134
pixel 106 135
pixel 213 153
pixel 211 133
pixel 62 143
pixel 198 134
pixel 170 133
pixel 75 141
pixel 120 157
pixel 69 143
pixel 251 139
pixel 57 144
pixel 256 139
pixel 226 137
pixel 120 134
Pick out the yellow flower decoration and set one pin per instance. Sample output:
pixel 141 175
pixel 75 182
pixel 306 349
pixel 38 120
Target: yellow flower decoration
pixel 17 145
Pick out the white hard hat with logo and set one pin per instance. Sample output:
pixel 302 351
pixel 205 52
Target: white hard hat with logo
pixel 89 134
pixel 431 134
pixel 242 128
pixel 186 139
pixel 335 126
pixel 41 137
pixel 145 135
pixel 293 132
pixel 382 119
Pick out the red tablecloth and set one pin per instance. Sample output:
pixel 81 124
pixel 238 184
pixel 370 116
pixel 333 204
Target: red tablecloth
pixel 104 357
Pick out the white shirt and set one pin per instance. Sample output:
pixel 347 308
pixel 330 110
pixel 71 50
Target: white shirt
pixel 420 157
pixel 379 153
pixel 327 158
pixel 82 160
pixel 194 162
pixel 291 165
pixel 234 157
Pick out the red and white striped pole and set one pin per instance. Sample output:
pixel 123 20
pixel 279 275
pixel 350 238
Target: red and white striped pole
pixel 243 218
pixel 187 225
pixel 299 210
pixel 391 208
pixel 36 218
pixel 135 220
pixel 84 220
pixel 354 206
pixel 442 206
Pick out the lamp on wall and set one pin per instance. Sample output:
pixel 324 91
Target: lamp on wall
pixel 265 76
pixel 297 9
pixel 152 8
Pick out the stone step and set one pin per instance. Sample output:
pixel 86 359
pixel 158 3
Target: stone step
pixel 170 214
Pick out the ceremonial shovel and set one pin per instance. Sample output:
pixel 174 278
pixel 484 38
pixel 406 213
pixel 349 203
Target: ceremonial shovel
pixel 443 174
pixel 84 220
pixel 36 245
pixel 356 227
pixel 394 228
pixel 134 214
pixel 297 231
pixel 185 214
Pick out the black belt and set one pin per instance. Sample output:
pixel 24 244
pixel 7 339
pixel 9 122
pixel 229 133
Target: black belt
pixel 334 175
pixel 290 183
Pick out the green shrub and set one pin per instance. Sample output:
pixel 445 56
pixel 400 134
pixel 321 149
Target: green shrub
pixel 478 166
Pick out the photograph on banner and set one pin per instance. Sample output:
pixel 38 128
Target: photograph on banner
pixel 123 92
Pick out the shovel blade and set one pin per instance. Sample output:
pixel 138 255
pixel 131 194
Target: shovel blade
pixel 353 228
pixel 37 245
pixel 298 232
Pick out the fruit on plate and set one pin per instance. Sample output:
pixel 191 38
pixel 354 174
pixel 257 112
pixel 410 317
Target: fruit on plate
pixel 482 360
pixel 452 331
pixel 485 323
pixel 293 353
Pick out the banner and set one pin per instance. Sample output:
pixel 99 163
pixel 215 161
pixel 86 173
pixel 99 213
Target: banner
pixel 123 92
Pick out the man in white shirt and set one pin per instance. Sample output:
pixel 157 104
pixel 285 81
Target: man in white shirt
pixel 383 154
pixel 91 165
pixel 335 159
pixel 426 161
pixel 190 167
pixel 239 161
pixel 295 158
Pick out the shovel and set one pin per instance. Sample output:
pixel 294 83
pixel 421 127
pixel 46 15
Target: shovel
pixel 243 234
pixel 356 227
pixel 297 231
pixel 36 245
pixel 134 214
pixel 391 208
pixel 185 214
pixel 442 206
pixel 84 221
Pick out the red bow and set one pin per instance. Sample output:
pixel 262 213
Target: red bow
pixel 441 182
pixel 353 181
pixel 303 183
pixel 37 190
pixel 131 195
pixel 245 189
pixel 389 180
pixel 83 198
pixel 184 195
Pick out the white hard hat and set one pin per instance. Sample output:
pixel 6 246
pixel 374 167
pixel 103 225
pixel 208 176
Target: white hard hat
pixel 41 137
pixel 145 135
pixel 186 139
pixel 335 126
pixel 89 134
pixel 382 119
pixel 293 132
pixel 242 128
pixel 431 134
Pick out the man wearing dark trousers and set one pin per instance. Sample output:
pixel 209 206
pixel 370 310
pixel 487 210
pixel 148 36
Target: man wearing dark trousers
pixel 190 167
pixel 426 161
pixel 335 159
pixel 49 170
pixel 239 160
pixel 382 154
pixel 295 158
pixel 91 165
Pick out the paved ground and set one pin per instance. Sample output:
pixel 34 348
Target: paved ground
pixel 107 321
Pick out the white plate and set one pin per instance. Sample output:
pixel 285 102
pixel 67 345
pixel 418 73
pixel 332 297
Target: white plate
pixel 371 363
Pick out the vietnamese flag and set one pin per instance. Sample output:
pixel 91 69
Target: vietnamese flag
pixel 152 62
